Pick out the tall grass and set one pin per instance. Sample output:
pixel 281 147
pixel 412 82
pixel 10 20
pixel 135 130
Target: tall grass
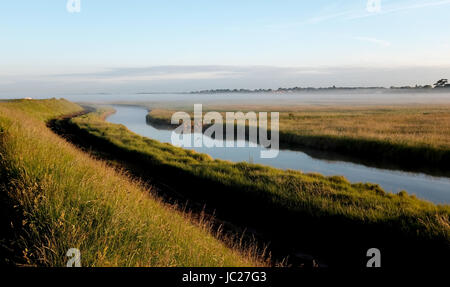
pixel 329 214
pixel 410 136
pixel 55 197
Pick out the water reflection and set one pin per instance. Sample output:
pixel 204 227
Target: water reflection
pixel 432 188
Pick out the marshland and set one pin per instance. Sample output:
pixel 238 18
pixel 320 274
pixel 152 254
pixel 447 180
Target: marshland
pixel 120 196
pixel 352 170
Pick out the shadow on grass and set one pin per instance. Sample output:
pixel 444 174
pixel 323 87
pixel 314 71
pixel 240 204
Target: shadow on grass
pixel 337 240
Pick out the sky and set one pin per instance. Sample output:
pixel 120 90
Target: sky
pixel 152 46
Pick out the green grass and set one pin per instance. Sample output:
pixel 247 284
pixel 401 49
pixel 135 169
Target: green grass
pixel 352 214
pixel 410 136
pixel 55 197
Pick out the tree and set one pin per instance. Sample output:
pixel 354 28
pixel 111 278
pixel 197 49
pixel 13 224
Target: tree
pixel 441 83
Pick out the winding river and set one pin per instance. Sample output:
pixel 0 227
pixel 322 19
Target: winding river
pixel 431 188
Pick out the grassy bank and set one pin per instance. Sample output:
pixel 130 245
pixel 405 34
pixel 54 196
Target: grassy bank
pixel 328 216
pixel 410 136
pixel 55 197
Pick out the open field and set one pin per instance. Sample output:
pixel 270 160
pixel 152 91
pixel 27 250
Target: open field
pixel 409 136
pixel 55 197
pixel 324 215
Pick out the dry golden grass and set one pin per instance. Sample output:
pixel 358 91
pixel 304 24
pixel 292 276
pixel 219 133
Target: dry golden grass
pixel 412 137
pixel 409 125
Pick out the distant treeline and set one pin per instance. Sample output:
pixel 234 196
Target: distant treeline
pixel 443 83
pixel 294 89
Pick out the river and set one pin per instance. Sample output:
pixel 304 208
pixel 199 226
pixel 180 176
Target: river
pixel 431 188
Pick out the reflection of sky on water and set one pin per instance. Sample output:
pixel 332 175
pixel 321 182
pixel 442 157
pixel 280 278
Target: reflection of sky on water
pixel 436 189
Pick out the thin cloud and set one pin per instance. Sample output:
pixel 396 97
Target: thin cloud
pixel 360 13
pixel 161 77
pixel 132 80
pixel 184 72
pixel 392 9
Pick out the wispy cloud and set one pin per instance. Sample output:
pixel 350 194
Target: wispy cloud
pixel 376 41
pixel 187 78
pixel 182 73
pixel 352 14
pixel 400 8
pixel 162 73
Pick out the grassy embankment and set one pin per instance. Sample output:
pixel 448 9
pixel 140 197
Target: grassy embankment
pixel 55 197
pixel 328 216
pixel 412 137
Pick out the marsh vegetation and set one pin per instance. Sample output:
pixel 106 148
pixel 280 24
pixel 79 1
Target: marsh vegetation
pixel 411 137
pixel 55 197
pixel 290 206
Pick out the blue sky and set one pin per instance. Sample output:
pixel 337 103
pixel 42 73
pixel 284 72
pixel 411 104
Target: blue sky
pixel 173 45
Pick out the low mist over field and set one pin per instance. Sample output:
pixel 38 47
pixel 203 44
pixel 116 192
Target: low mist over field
pixel 287 136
